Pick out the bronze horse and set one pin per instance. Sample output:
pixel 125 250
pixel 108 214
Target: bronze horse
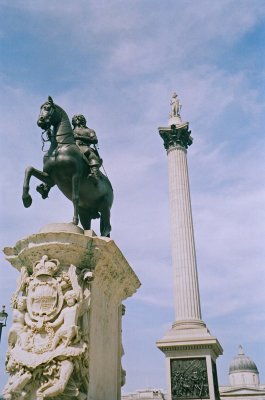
pixel 64 166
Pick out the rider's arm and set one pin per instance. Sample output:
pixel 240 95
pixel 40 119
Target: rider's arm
pixel 78 137
pixel 93 137
pixel 90 139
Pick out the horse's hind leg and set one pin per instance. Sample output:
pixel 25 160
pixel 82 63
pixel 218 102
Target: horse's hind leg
pixel 42 176
pixel 75 196
pixel 105 226
pixel 85 219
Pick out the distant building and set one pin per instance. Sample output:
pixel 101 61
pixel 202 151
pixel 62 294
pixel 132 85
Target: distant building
pixel 244 380
pixel 146 394
pixel 243 377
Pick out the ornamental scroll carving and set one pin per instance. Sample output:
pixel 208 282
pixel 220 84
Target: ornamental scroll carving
pixel 48 341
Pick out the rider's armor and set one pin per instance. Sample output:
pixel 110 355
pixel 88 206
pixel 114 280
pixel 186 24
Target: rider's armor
pixel 85 137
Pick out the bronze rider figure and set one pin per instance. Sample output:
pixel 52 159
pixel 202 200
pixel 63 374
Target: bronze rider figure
pixel 84 138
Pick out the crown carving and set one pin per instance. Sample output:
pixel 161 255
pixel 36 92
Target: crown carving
pixel 45 266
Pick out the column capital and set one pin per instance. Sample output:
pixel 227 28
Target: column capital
pixel 176 135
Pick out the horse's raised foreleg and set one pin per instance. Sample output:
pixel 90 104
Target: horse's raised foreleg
pixel 75 196
pixel 42 176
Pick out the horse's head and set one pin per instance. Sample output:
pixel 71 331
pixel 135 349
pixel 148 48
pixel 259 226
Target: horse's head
pixel 47 115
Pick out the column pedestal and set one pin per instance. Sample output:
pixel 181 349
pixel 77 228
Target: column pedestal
pixel 191 353
pixel 65 341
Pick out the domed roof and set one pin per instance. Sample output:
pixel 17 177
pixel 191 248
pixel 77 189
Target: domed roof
pixel 242 363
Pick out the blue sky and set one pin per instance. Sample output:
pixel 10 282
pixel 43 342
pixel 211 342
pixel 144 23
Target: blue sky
pixel 118 62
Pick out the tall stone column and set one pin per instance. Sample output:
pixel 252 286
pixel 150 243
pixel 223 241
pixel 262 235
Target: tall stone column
pixel 190 349
pixel 186 288
pixel 65 339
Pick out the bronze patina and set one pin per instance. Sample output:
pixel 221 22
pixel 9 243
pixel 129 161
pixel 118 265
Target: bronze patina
pixel 85 137
pixel 75 170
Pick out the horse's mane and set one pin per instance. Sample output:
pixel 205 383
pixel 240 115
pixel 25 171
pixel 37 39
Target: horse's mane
pixel 65 125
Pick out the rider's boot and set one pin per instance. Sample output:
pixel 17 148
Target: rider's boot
pixel 43 189
pixel 94 169
pixel 94 173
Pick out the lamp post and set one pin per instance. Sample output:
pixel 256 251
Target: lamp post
pixel 3 318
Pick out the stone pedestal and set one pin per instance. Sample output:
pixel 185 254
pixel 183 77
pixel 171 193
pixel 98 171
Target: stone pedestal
pixel 65 341
pixel 190 349
pixel 191 354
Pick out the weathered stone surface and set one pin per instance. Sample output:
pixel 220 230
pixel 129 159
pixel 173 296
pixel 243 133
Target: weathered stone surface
pixel 65 340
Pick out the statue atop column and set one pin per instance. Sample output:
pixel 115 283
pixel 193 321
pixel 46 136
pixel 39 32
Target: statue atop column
pixel 177 133
pixel 175 118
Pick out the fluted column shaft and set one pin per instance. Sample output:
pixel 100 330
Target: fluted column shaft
pixel 186 288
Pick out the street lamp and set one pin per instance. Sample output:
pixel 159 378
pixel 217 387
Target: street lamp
pixel 3 318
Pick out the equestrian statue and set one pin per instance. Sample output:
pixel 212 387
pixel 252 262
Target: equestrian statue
pixel 73 165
